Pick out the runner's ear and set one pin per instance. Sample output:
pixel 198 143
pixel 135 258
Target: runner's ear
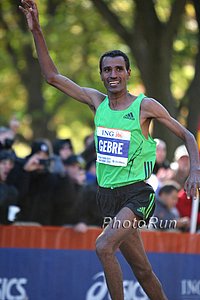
pixel 128 73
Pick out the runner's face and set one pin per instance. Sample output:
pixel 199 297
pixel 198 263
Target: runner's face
pixel 114 74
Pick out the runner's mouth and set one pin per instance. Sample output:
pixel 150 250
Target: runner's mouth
pixel 113 83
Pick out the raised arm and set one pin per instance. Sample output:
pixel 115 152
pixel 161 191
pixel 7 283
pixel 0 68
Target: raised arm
pixel 89 96
pixel 151 109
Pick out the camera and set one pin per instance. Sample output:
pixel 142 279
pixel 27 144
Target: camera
pixel 45 162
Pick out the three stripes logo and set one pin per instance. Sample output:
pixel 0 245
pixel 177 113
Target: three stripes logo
pixel 129 116
pixel 151 205
pixel 148 168
pixel 146 211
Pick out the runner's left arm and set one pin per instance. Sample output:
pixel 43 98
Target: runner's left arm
pixel 152 109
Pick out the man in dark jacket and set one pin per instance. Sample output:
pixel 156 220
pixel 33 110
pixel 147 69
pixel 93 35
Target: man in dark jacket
pixel 8 193
pixel 45 197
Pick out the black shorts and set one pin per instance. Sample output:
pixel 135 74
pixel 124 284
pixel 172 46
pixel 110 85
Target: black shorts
pixel 139 197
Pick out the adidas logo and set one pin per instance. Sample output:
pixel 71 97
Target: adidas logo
pixel 129 116
pixel 141 209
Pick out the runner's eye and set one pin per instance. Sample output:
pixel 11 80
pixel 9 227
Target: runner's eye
pixel 119 69
pixel 106 70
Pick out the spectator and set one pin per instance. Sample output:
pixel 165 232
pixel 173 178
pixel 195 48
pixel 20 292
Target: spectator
pixel 161 154
pixel 8 193
pixel 87 210
pixel 89 153
pixel 74 167
pixel 14 125
pixel 184 206
pixel 6 138
pixel 63 148
pixel 88 140
pixel 181 165
pixel 162 166
pixel 166 213
pixel 162 171
pixel 89 213
pixel 91 172
pixel 46 197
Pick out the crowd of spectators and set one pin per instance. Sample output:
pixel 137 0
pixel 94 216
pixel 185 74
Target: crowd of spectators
pixel 54 186
pixel 168 180
pixel 51 186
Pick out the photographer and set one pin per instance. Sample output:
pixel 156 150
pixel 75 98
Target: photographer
pixel 46 197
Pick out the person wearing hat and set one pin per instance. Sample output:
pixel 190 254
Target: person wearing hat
pixel 62 149
pixel 181 165
pixel 45 198
pixel 39 159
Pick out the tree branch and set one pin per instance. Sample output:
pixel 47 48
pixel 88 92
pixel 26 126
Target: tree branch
pixel 171 27
pixel 149 21
pixel 112 19
pixel 52 6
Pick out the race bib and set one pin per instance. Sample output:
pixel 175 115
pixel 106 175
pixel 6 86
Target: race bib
pixel 113 146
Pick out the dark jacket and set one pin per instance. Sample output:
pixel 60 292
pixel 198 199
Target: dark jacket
pixel 45 198
pixel 8 196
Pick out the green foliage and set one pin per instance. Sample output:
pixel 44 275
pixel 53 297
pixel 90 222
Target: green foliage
pixel 76 36
pixel 75 41
pixel 185 49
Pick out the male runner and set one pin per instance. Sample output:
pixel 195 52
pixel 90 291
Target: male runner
pixel 125 157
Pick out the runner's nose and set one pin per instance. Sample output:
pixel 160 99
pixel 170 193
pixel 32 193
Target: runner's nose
pixel 113 74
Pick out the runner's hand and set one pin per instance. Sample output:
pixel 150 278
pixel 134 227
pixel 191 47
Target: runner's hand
pixel 29 8
pixel 192 184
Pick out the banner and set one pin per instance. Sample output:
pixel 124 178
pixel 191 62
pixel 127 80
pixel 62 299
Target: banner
pixel 76 274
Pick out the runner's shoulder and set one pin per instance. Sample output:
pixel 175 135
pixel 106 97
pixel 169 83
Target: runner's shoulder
pixel 96 98
pixel 147 101
pixel 149 107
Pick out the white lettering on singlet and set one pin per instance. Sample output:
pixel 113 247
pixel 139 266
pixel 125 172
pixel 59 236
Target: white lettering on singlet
pixel 113 146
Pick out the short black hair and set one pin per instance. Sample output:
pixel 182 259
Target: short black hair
pixel 114 53
pixel 167 189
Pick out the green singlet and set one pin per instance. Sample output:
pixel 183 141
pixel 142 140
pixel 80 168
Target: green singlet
pixel 124 155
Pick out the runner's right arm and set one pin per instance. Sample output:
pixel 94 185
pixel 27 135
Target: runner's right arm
pixel 89 96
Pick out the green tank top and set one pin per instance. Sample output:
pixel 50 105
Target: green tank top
pixel 124 155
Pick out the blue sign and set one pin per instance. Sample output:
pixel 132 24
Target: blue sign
pixel 43 274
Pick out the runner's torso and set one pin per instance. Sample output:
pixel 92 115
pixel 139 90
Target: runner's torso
pixel 124 155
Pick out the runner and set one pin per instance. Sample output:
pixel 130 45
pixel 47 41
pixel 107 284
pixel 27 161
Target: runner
pixel 125 158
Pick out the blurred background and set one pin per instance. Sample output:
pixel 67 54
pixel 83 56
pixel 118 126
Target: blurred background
pixel 161 37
